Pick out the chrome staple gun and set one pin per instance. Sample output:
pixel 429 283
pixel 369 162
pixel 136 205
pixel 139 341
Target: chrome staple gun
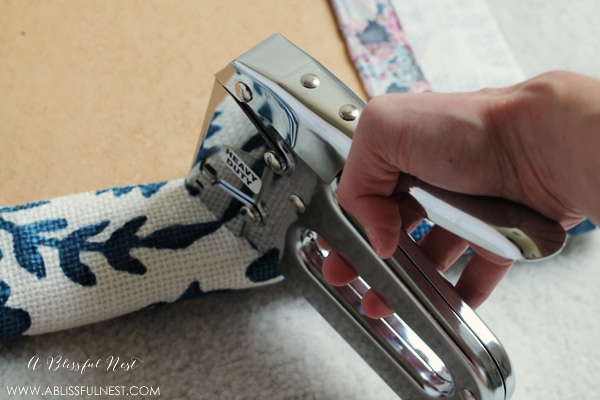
pixel 261 193
pixel 434 345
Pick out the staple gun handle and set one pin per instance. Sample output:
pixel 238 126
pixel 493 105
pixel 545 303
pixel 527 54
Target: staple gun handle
pixel 434 345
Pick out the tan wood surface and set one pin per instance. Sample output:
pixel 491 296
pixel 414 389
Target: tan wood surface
pixel 95 94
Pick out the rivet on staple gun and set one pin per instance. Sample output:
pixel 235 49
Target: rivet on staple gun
pixel 276 166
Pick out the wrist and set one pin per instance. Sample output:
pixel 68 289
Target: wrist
pixel 549 127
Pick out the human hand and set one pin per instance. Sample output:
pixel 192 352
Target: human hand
pixel 533 143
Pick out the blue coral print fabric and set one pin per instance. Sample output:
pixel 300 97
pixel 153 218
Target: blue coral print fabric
pixel 92 256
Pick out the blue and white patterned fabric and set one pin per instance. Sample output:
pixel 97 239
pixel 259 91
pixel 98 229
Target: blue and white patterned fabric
pixel 89 257
pixel 84 258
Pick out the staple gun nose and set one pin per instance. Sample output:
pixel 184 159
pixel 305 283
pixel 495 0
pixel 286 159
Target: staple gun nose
pixel 272 168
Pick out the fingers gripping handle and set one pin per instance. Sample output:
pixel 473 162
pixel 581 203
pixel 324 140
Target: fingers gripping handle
pixel 88 257
pixel 434 345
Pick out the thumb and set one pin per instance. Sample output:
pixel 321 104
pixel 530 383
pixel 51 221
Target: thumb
pixel 438 138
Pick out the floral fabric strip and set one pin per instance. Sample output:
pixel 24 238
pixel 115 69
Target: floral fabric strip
pixel 378 47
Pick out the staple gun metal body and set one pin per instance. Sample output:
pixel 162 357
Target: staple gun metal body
pixel 277 169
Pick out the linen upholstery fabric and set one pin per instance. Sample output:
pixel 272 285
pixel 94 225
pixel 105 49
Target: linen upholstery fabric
pixel 84 258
